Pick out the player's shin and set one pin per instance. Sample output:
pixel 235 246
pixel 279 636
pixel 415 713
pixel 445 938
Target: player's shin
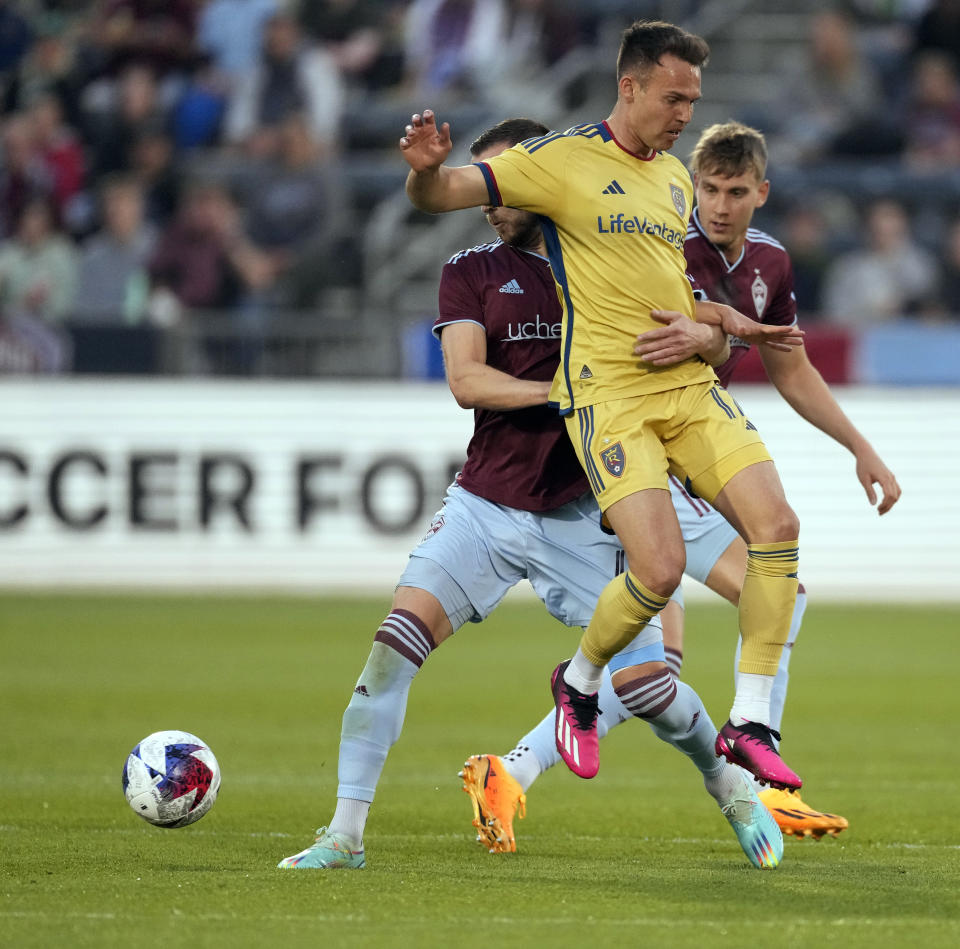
pixel 624 608
pixel 781 681
pixel 778 695
pixel 766 610
pixel 677 716
pixel 374 718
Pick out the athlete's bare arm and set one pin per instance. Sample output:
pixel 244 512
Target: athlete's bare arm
pixel 780 338
pixel 474 384
pixel 431 185
pixel 679 339
pixel 798 381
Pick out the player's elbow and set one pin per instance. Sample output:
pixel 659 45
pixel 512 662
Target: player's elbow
pixel 463 393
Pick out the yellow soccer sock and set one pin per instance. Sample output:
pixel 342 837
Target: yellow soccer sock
pixel 766 605
pixel 624 608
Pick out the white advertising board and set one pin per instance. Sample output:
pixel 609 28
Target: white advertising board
pixel 323 487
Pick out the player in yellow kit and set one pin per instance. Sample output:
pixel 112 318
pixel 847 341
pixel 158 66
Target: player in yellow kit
pixel 615 208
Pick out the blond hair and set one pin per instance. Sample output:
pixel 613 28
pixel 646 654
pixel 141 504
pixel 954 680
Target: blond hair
pixel 728 149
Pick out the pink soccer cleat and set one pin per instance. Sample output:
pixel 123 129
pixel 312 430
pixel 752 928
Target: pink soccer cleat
pixel 576 725
pixel 751 746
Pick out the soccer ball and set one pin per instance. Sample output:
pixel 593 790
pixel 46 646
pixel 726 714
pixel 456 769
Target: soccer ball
pixel 171 779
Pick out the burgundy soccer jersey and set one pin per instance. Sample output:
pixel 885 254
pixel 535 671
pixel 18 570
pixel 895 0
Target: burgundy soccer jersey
pixel 759 284
pixel 523 458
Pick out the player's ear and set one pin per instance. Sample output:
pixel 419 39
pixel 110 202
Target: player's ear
pixel 763 192
pixel 627 87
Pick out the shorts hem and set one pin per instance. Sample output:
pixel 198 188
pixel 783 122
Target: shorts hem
pixel 712 480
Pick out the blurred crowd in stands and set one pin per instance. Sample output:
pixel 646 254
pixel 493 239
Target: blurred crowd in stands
pixel 172 161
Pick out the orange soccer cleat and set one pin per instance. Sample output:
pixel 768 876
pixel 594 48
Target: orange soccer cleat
pixel 797 819
pixel 496 799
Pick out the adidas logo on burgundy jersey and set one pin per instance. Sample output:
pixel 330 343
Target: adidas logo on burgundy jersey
pixel 511 286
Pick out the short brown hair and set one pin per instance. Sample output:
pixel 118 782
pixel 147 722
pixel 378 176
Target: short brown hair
pixel 728 149
pixel 644 42
pixel 509 131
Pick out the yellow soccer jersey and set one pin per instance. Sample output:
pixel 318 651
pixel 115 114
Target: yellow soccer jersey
pixel 614 225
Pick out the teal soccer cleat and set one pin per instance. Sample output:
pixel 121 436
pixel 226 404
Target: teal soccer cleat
pixel 757 831
pixel 328 852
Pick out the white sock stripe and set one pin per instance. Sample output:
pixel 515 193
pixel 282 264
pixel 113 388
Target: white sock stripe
pixel 410 627
pixel 414 645
pixel 642 706
pixel 656 689
pixel 657 692
pixel 407 633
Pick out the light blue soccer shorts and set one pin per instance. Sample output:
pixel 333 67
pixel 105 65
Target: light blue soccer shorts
pixel 706 533
pixel 475 550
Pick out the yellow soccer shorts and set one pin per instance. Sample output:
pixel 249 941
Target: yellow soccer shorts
pixel 697 432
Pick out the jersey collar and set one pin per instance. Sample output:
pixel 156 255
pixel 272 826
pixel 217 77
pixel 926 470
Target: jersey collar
pixel 624 148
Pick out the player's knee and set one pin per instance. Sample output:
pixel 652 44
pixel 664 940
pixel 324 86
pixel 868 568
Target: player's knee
pixel 662 575
pixel 778 524
pixel 785 525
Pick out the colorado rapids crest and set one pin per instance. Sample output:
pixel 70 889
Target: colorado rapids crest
pixel 759 290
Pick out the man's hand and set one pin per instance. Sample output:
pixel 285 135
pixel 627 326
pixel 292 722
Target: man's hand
pixel 870 471
pixel 781 338
pixel 424 146
pixel 678 339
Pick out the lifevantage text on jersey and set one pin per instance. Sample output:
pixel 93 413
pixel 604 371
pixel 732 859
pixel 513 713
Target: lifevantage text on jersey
pixel 621 224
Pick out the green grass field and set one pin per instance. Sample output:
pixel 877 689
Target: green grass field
pixel 639 854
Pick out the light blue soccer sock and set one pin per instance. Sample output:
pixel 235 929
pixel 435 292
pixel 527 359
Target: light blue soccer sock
pixel 374 718
pixel 537 751
pixel 371 724
pixel 687 726
pixel 677 716
pixel 778 696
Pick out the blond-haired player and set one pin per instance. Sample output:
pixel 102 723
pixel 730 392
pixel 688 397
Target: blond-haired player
pixel 737 264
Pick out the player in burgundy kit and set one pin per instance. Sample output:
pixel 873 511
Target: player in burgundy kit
pixel 747 269
pixel 520 508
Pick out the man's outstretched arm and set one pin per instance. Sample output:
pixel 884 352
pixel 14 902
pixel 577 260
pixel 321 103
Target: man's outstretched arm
pixel 798 381
pixel 734 323
pixel 431 185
